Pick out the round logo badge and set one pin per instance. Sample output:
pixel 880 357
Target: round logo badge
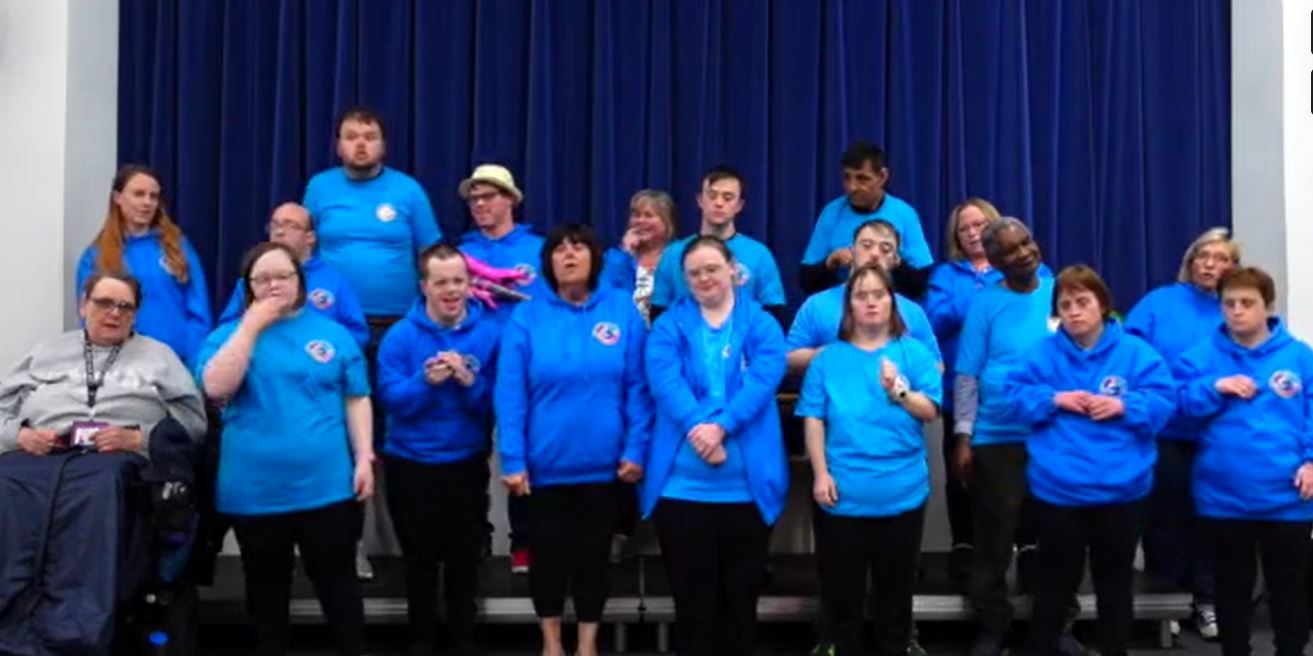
pixel 742 274
pixel 385 212
pixel 320 350
pixel 320 298
pixel 607 333
pixel 527 270
pixel 164 264
pixel 1285 383
pixel 1054 323
pixel 472 363
pixel 1112 386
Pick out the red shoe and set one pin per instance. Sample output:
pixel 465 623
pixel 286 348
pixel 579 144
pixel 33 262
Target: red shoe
pixel 520 561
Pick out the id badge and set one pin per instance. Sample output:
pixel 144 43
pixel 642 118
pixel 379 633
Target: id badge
pixel 82 432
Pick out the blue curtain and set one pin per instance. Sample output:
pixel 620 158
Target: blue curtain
pixel 1103 123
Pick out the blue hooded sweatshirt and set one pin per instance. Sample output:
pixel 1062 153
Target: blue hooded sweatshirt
pixel 570 396
pixel 520 249
pixel 175 313
pixel 326 292
pixel 677 370
pixel 1249 450
pixel 1075 460
pixel 1174 318
pixel 445 423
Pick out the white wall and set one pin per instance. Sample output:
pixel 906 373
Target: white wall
pixel 1297 51
pixel 58 97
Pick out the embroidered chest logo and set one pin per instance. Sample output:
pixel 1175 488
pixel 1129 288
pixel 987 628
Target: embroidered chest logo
pixel 1054 322
pixel 385 212
pixel 742 274
pixel 527 270
pixel 1285 383
pixel 472 363
pixel 1112 386
pixel 320 350
pixel 607 333
pixel 321 298
pixel 164 264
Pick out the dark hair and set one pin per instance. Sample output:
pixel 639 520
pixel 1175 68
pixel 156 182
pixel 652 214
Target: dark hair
pixel 896 326
pixel 725 172
pixel 708 241
pixel 439 251
pixel 861 152
pixel 127 279
pixel 1252 278
pixel 880 225
pixel 1079 277
pixel 360 114
pixel 577 233
pixel 248 263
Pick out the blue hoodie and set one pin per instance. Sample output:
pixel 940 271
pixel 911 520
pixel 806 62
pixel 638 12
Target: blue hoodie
pixel 1075 460
pixel 1249 450
pixel 445 423
pixel 817 322
pixel 326 292
pixel 619 270
pixel 371 231
pixel 520 249
pixel 174 313
pixel 570 395
pixel 684 396
pixel 1174 318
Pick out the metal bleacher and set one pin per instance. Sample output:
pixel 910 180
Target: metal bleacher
pixel 640 596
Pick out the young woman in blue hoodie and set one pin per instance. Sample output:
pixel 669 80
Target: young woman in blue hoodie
pixel 716 475
pixel 1094 398
pixel 573 417
pixel 1173 318
pixel 1253 473
pixel 435 373
pixel 139 238
pixel 865 401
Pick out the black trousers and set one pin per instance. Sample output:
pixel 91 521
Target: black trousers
pixel 1110 533
pixel 327 539
pixel 847 549
pixel 998 494
pixel 957 496
pixel 715 556
pixel 1283 548
pixel 1175 549
pixel 626 518
pixel 570 537
pixel 438 512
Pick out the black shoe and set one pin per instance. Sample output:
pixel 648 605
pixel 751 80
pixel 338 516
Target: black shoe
pixel 989 644
pixel 1068 645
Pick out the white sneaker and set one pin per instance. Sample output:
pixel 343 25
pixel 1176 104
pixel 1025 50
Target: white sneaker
pixel 1175 627
pixel 1205 620
pixel 364 571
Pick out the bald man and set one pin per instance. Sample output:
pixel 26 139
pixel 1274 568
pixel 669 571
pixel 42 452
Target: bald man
pixel 326 291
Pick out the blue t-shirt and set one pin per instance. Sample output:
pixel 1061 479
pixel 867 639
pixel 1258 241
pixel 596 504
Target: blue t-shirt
pixel 285 441
pixel 874 448
pixel 172 312
pixel 371 231
pixel 520 249
pixel 326 292
pixel 838 221
pixel 757 272
pixel 1001 328
pixel 817 322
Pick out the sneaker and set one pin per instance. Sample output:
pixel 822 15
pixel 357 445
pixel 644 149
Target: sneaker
pixel 618 543
pixel 914 648
pixel 364 571
pixel 823 649
pixel 1175 627
pixel 520 561
pixel 1068 645
pixel 1205 621
pixel 989 644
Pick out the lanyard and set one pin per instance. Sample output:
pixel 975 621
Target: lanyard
pixel 93 383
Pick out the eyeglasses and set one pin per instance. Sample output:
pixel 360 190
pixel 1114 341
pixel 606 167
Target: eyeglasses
pixel 264 280
pixel 111 305
pixel 286 226
pixel 485 197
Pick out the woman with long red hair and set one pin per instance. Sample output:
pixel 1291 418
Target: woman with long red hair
pixel 140 239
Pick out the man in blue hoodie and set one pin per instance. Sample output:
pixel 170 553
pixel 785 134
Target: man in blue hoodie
pixel 499 241
pixel 327 291
pixel 1253 474
pixel 436 370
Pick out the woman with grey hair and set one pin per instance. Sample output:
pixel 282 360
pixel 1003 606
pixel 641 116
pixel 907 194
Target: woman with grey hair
pixel 1004 323
pixel 1173 318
